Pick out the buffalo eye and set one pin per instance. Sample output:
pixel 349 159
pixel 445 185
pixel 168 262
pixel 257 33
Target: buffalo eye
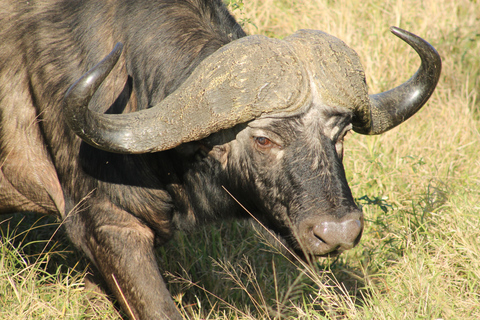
pixel 263 142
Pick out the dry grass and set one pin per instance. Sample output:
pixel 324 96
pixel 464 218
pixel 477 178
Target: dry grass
pixel 419 185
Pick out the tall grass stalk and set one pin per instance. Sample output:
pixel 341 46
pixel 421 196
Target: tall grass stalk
pixel 419 186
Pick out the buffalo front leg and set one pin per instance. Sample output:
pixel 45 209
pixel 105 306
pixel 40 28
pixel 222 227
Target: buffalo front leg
pixel 122 249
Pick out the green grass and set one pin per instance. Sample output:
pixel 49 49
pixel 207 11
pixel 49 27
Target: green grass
pixel 419 186
pixel 41 277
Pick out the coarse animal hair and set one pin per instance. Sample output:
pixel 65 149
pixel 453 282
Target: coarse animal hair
pixel 185 118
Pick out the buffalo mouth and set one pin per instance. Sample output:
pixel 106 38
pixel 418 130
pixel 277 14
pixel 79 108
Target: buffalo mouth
pixel 309 258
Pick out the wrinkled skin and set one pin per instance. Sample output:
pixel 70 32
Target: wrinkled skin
pixel 293 179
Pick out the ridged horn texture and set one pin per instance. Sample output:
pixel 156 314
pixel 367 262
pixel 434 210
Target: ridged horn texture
pixel 241 81
pixel 391 108
pixel 335 71
pixel 339 80
pixel 248 78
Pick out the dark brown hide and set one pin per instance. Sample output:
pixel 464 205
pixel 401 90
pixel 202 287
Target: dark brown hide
pixel 271 126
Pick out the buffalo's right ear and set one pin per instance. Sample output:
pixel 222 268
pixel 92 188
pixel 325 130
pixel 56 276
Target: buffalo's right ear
pixel 221 153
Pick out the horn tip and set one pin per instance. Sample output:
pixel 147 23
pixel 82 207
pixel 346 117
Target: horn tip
pixel 399 32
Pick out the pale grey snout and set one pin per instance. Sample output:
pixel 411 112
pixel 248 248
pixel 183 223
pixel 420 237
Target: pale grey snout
pixel 339 235
pixel 329 235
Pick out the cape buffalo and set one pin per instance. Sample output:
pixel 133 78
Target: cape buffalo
pixel 129 146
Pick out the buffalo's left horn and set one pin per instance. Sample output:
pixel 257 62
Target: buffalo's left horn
pixel 391 108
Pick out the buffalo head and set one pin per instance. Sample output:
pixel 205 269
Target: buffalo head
pixel 286 105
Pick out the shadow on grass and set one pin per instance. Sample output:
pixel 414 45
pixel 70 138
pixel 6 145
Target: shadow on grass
pixel 228 269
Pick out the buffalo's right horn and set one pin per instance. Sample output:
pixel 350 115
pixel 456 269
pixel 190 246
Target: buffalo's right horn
pixel 238 83
pixel 391 108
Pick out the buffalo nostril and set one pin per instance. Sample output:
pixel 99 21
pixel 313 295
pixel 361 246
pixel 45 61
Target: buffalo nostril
pixel 339 235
